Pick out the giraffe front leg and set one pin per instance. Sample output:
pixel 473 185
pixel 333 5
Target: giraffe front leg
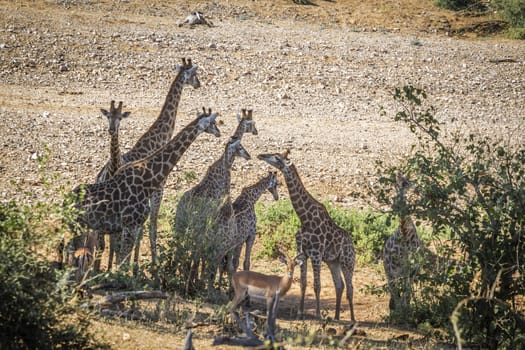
pixel 101 246
pixel 127 240
pixel 113 247
pixel 316 266
pixel 155 201
pixel 136 255
pixel 248 252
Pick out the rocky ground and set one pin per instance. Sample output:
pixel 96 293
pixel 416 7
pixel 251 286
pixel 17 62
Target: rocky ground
pixel 316 85
pixel 316 78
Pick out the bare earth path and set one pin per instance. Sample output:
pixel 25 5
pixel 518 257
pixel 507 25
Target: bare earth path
pixel 315 77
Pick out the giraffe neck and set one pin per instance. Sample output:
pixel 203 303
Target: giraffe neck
pixel 407 228
pixel 251 194
pixel 301 199
pixel 241 129
pixel 114 161
pixel 156 168
pixel 162 129
pixel 217 181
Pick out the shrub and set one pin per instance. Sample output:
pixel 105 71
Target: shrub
pixel 513 12
pixel 474 187
pixel 191 243
pixel 458 4
pixel 278 223
pixel 35 312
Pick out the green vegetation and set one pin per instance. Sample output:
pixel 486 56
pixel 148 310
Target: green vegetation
pixel 277 223
pixel 474 187
pixel 37 311
pixel 458 4
pixel 511 11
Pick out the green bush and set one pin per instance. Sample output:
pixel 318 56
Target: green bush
pixel 458 4
pixel 190 244
pixel 513 11
pixel 35 312
pixel 474 187
pixel 278 223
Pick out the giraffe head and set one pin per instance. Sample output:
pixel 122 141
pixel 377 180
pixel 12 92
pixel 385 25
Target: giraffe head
pixel 189 73
pixel 272 184
pixel 400 201
pixel 246 123
pixel 235 149
pixel 207 122
pixel 280 161
pixel 114 116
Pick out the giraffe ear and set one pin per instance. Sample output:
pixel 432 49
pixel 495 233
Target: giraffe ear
pixel 104 112
pixel 126 114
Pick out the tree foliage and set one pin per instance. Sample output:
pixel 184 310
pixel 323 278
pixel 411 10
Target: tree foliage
pixel 473 187
pixel 35 312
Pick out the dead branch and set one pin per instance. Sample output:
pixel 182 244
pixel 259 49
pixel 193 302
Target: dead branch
pixel 127 314
pixel 109 285
pixel 110 300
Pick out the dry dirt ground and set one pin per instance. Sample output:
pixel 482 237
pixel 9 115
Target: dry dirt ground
pixel 315 77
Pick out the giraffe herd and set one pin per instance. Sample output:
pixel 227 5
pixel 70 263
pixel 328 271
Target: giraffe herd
pixel 129 189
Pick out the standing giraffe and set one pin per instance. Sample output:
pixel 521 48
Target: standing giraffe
pixel 121 205
pixel 159 133
pixel 400 249
pixel 246 220
pixel 209 200
pixel 229 243
pixel 114 117
pixel 210 196
pixel 319 238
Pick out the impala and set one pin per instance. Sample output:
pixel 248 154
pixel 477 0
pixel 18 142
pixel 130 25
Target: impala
pixel 254 284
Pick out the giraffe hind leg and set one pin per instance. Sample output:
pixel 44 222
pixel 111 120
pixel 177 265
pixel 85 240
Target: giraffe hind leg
pixel 335 269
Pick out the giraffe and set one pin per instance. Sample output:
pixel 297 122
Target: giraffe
pixel 230 243
pixel 114 116
pixel 399 251
pixel 121 204
pixel 209 198
pixel 319 238
pixel 159 133
pixel 214 186
pixel 246 220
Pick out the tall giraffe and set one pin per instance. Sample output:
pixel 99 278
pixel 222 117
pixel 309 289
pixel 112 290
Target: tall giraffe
pixel 121 205
pixel 211 196
pixel 319 237
pixel 399 251
pixel 246 220
pixel 159 133
pixel 114 116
